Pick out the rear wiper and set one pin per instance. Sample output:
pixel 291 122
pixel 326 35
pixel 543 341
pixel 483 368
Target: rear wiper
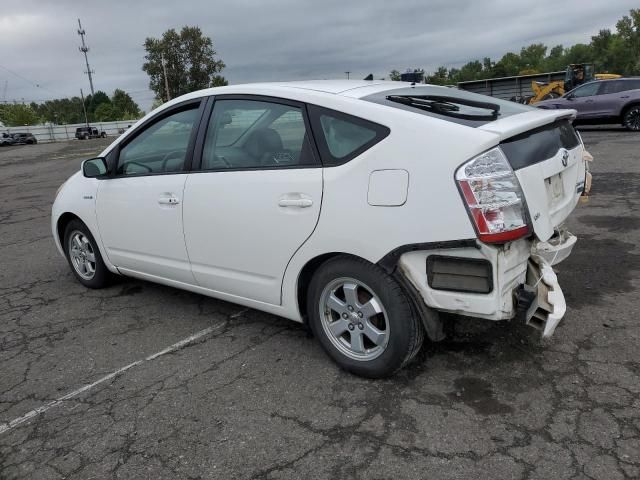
pixel 447 105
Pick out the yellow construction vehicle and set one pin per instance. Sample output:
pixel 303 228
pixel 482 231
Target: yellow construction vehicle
pixel 576 74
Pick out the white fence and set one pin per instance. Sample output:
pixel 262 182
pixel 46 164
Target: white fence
pixel 57 133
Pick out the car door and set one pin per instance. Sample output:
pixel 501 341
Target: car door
pixel 607 102
pixel 582 99
pixel 256 197
pixel 139 207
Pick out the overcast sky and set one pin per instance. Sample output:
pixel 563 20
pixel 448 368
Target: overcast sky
pixel 262 40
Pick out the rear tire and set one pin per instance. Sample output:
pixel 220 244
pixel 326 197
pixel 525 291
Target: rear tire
pixel 631 119
pixel 363 318
pixel 84 257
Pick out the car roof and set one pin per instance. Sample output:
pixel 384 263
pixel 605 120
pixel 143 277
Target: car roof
pixel 624 79
pixel 338 86
pixel 348 88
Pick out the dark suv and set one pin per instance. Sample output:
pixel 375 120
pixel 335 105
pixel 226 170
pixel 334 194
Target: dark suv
pixel 85 133
pixel 24 138
pixel 6 139
pixel 603 101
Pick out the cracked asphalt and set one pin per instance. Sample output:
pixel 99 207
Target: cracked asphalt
pixel 255 397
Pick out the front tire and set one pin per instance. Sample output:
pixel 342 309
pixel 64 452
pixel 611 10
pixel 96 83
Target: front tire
pixel 363 318
pixel 84 256
pixel 631 119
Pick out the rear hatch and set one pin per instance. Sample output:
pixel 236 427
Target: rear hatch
pixel 541 145
pixel 546 154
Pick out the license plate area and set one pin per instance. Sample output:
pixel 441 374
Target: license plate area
pixel 555 189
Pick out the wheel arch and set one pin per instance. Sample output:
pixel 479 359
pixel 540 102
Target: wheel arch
pixel 306 274
pixel 430 318
pixel 629 106
pixel 62 222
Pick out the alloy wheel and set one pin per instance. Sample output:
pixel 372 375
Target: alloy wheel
pixel 354 319
pixel 632 119
pixel 82 255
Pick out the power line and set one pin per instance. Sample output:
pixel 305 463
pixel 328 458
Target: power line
pixel 37 85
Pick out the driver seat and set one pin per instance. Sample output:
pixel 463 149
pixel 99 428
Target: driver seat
pixel 263 142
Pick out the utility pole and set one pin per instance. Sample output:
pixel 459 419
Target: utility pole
pixel 84 108
pixel 347 75
pixel 166 80
pixel 84 49
pixel 4 92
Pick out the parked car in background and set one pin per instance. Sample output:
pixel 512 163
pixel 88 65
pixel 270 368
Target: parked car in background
pixel 362 208
pixel 85 133
pixel 603 101
pixel 6 139
pixel 24 139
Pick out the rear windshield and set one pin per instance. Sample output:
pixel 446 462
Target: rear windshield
pixel 418 99
pixel 539 144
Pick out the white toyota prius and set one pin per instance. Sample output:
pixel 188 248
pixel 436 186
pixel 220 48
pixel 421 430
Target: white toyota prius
pixel 362 208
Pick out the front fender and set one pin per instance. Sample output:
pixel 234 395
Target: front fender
pixel 77 196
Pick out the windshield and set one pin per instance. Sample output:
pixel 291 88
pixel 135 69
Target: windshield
pixel 450 104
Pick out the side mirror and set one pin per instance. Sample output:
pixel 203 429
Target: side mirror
pixel 94 167
pixel 571 96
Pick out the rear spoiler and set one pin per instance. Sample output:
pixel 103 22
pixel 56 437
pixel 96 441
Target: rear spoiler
pixel 522 122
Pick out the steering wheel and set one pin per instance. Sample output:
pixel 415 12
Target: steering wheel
pixel 146 167
pixel 168 157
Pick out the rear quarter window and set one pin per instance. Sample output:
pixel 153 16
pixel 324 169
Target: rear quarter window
pixel 342 137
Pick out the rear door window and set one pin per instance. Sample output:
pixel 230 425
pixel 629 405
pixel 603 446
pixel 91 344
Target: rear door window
pixel 343 137
pixel 614 87
pixel 630 85
pixel 256 134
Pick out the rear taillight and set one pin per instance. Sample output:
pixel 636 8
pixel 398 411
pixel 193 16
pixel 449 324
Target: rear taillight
pixel 494 198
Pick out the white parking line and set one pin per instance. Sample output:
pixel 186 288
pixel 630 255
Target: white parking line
pixel 5 427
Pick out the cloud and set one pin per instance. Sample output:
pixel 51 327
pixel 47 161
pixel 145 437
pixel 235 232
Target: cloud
pixel 278 40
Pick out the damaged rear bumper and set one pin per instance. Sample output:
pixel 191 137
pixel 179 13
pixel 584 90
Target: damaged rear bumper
pixel 522 282
pixel 540 301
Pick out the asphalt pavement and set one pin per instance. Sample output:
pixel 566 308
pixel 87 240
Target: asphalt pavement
pixel 145 381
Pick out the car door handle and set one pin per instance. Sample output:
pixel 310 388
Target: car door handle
pixel 168 200
pixel 624 96
pixel 299 201
pixel 588 101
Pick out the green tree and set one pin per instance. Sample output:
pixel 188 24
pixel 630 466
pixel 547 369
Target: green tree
pixel 579 53
pixel 106 112
pixel 157 102
pixel 16 115
pixel 92 102
pixel 394 75
pixel 440 77
pixel 507 66
pixel 123 105
pixel 219 81
pixel 628 28
pixel 532 57
pixel 190 62
pixel 611 52
pixel 470 71
pixel 555 61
